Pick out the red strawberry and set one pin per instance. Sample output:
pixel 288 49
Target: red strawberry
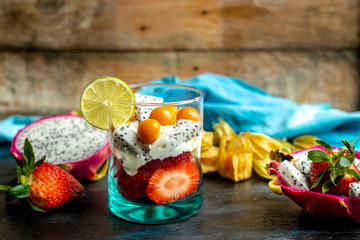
pixel 342 188
pixel 332 171
pixel 52 186
pixel 184 157
pixel 45 185
pixel 315 169
pixel 134 187
pixel 173 182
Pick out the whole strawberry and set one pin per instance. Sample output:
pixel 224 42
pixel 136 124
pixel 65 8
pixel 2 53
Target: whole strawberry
pixel 43 184
pixel 331 172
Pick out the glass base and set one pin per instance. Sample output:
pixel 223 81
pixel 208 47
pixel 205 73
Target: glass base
pixel 152 213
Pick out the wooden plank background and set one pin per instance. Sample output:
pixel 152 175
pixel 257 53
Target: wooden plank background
pixel 304 50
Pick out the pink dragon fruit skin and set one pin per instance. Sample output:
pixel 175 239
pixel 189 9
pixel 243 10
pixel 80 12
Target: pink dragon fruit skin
pixel 80 169
pixel 320 204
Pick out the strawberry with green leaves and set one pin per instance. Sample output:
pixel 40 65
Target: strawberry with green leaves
pixel 43 184
pixel 331 172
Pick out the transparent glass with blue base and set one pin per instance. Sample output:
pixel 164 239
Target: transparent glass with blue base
pixel 162 181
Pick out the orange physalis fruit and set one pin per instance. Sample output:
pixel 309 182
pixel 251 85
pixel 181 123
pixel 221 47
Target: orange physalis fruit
pixel 164 115
pixel 188 113
pixel 149 130
pixel 174 108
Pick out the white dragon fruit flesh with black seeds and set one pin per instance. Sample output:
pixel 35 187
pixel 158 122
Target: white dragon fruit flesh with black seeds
pixel 354 189
pixel 142 113
pixel 293 176
pixel 303 163
pixel 357 163
pixel 65 139
pixel 142 98
pixel 181 137
pixel 129 147
pixel 126 138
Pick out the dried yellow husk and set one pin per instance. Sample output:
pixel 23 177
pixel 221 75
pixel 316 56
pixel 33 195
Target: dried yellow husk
pixel 244 168
pixel 287 147
pixel 208 159
pixel 237 155
pixel 207 139
pixel 221 166
pixel 262 144
pixel 235 159
pixel 223 130
pixel 304 141
pixel 261 169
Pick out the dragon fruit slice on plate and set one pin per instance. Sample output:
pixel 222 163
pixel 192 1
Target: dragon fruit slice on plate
pixel 322 204
pixel 66 140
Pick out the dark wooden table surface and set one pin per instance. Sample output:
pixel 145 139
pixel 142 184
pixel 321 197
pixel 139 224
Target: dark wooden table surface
pixel 244 210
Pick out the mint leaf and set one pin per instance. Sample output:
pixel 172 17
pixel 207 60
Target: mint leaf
pixel 343 162
pixel 19 191
pixel 319 177
pixel 349 146
pixel 319 156
pixel 338 179
pixel 325 145
pixel 341 152
pixel 353 173
pixel 327 186
pixel 351 158
pixel 334 174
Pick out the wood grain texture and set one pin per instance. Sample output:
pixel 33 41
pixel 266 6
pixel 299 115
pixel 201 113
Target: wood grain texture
pixel 47 83
pixel 185 24
pixel 52 82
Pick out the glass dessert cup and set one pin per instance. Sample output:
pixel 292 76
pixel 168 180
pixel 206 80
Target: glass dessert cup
pixel 157 180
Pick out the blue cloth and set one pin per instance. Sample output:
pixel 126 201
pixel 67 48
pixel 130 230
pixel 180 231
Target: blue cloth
pixel 248 108
pixel 11 125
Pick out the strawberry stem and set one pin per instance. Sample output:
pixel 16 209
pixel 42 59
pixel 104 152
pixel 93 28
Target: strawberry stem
pixel 22 187
pixel 340 163
pixel 4 188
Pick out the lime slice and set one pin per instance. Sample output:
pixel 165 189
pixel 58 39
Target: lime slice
pixel 104 97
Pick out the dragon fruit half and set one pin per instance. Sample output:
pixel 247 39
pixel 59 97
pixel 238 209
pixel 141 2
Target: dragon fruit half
pixel 66 140
pixel 316 203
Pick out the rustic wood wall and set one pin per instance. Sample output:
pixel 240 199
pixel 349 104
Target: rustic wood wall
pixel 303 50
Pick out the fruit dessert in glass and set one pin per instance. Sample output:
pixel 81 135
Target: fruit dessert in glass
pixel 155 174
